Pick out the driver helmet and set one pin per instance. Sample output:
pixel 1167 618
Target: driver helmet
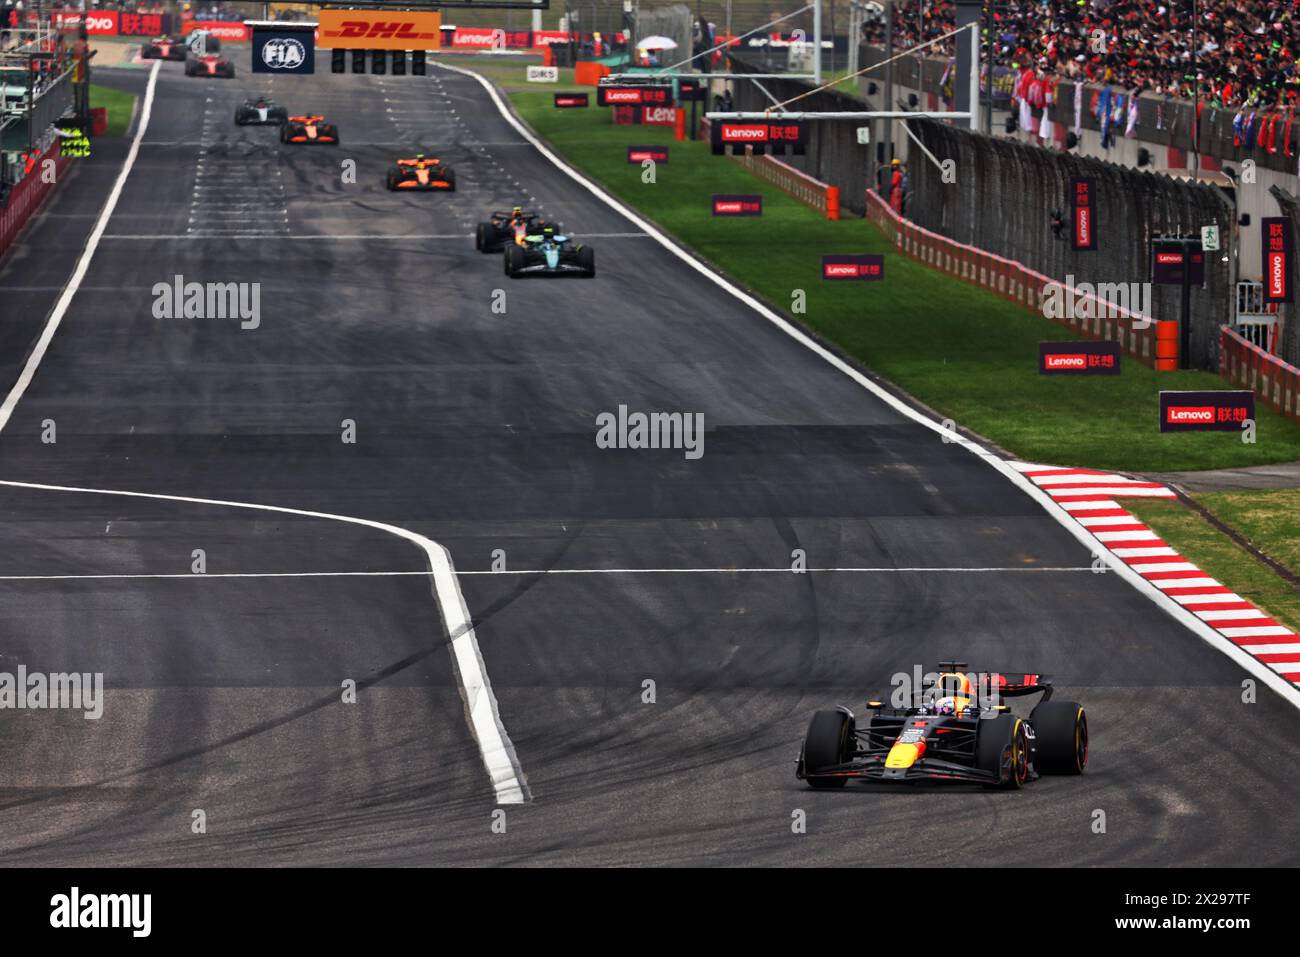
pixel 946 706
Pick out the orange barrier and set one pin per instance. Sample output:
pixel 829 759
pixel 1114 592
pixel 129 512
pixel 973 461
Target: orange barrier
pixel 588 72
pixel 820 196
pixel 1013 281
pixel 1167 345
pixel 1275 382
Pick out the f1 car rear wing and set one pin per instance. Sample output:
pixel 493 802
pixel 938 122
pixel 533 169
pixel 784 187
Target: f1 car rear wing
pixel 1014 685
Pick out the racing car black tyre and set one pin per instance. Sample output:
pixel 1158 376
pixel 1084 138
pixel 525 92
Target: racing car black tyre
pixel 1062 730
pixel 587 260
pixel 480 237
pixel 450 177
pixel 994 735
pixel 514 260
pixel 826 745
pixel 392 180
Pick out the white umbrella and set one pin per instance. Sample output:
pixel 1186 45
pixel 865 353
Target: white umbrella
pixel 656 43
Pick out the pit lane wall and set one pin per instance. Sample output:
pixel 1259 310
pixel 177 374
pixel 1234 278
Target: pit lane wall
pixel 1273 381
pixel 1013 281
pixel 27 196
pixel 812 192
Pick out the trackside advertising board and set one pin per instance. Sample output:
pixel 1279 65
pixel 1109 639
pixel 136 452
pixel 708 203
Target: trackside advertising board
pixel 634 95
pixel 1278 246
pixel 283 51
pixel 379 30
pixel 639 154
pixel 1078 358
pixel 569 101
pixel 761 136
pixel 728 205
pixel 863 266
pixel 1170 257
pixel 1205 411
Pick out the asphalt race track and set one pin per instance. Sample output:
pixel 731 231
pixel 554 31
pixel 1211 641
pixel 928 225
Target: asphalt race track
pixel 476 430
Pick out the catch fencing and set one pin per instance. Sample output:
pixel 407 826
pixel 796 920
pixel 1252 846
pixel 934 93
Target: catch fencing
pixel 26 197
pixel 1004 197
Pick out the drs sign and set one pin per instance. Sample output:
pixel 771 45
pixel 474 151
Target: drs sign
pixel 281 51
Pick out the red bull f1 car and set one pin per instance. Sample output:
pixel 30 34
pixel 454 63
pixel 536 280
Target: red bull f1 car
pixel 504 229
pixel 260 111
pixel 421 172
pixel 550 253
pixel 165 48
pixel 209 64
pixel 309 129
pixel 958 730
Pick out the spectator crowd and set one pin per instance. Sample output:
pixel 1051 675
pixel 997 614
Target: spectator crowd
pixel 1243 53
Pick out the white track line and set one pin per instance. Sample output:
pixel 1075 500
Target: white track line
pixel 1058 511
pixel 164 576
pixel 481 709
pixel 83 264
pixel 480 703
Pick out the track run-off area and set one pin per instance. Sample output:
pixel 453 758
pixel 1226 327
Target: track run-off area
pixel 607 645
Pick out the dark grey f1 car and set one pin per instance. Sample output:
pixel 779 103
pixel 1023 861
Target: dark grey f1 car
pixel 260 111
pixel 961 733
pixel 549 253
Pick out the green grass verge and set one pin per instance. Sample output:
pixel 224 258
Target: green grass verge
pixel 965 352
pixel 120 107
pixel 1201 543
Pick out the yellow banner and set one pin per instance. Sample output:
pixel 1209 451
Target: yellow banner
pixel 380 30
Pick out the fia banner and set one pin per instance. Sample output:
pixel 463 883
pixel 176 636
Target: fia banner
pixel 277 50
pixel 1278 247
pixel 1083 212
pixel 1205 411
pixel 1078 358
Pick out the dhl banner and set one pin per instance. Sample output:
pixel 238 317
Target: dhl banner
pixel 380 30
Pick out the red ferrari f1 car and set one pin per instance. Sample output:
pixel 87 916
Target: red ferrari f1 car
pixel 309 129
pixel 209 64
pixel 958 730
pixel 421 172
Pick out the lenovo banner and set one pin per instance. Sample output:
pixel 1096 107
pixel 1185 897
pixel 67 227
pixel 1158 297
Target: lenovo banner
pixel 1170 258
pixel 223 30
pixel 1078 358
pixel 866 266
pixel 141 24
pixel 727 205
pixel 283 51
pixel 639 154
pixel 379 30
pixel 688 90
pixel 1278 248
pixel 659 115
pixel 99 23
pixel 1205 411
pixel 1083 212
pixel 567 101
pixel 763 136
pixel 634 95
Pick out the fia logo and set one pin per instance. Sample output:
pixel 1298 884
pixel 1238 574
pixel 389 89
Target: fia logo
pixel 283 53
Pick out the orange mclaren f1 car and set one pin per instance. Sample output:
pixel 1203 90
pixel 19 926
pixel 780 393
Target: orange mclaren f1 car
pixel 309 129
pixel 421 172
pixel 958 729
